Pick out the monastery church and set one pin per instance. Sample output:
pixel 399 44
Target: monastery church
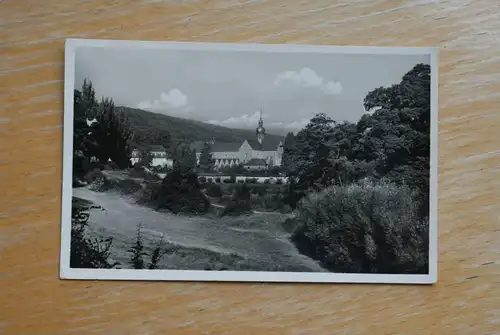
pixel 259 154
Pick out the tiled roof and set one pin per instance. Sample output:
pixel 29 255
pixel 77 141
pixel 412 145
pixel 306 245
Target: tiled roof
pixel 269 144
pixel 156 148
pixel 225 147
pixel 217 146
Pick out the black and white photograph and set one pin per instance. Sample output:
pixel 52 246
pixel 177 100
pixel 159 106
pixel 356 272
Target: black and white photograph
pixel 249 162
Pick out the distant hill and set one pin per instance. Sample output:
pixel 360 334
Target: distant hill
pixel 149 128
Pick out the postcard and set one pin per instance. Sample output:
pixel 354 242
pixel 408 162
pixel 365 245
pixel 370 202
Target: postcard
pixel 225 162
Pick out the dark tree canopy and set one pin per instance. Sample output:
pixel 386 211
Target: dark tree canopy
pixel 99 132
pixel 391 141
pixel 206 161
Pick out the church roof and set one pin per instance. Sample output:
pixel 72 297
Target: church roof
pixel 217 146
pixel 256 162
pixel 269 144
pixel 220 146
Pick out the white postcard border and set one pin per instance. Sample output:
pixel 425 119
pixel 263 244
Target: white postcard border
pixel 66 272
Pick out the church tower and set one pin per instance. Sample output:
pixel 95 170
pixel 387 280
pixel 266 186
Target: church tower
pixel 260 131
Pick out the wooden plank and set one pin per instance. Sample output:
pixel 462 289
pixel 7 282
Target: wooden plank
pixel 465 301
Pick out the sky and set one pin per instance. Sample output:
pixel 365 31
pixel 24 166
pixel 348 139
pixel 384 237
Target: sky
pixel 230 88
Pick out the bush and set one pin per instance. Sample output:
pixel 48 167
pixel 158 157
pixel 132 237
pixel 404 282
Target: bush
pixel 214 190
pixel 180 192
pixel 217 180
pixel 279 181
pixel 364 228
pixel 140 172
pixel 239 203
pixel 137 251
pixel 96 175
pixel 202 179
pixel 271 202
pixel 111 166
pixel 87 252
pixel 150 194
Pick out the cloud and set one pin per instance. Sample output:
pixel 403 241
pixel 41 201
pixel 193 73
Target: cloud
pixel 307 77
pixel 242 121
pixel 170 100
pixel 295 125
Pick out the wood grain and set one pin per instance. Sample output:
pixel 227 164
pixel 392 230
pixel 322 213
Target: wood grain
pixel 466 299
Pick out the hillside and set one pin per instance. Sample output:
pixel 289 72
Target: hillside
pixel 150 128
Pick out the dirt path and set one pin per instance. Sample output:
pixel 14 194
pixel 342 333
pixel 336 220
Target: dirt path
pixel 254 242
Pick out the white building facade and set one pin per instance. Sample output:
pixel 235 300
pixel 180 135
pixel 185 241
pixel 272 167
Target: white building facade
pixel 158 153
pixel 232 154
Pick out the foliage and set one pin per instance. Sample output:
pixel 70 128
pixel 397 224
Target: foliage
pixel 291 195
pixel 234 170
pixel 137 251
pixel 87 252
pixel 206 161
pixel 98 132
pixel 214 190
pixel 392 142
pixel 113 135
pixel 240 202
pixel 157 254
pixel 184 157
pixel 288 147
pixel 180 192
pixel 365 228
pixel 145 160
pixel 151 194
pixel 309 160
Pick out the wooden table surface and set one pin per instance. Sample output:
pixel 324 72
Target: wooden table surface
pixel 466 299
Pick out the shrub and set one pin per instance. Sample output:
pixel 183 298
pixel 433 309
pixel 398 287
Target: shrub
pixel 137 251
pixel 87 252
pixel 95 175
pixel 158 252
pixel 202 179
pixel 150 194
pixel 140 172
pixel 239 203
pixel 111 166
pixel 180 192
pixel 214 190
pixel 217 180
pixel 364 228
pixel 267 181
pixel 279 181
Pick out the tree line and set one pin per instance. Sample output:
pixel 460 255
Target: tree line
pixel 100 135
pixel 361 189
pixel 391 143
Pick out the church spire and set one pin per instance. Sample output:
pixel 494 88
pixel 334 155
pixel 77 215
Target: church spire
pixel 260 131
